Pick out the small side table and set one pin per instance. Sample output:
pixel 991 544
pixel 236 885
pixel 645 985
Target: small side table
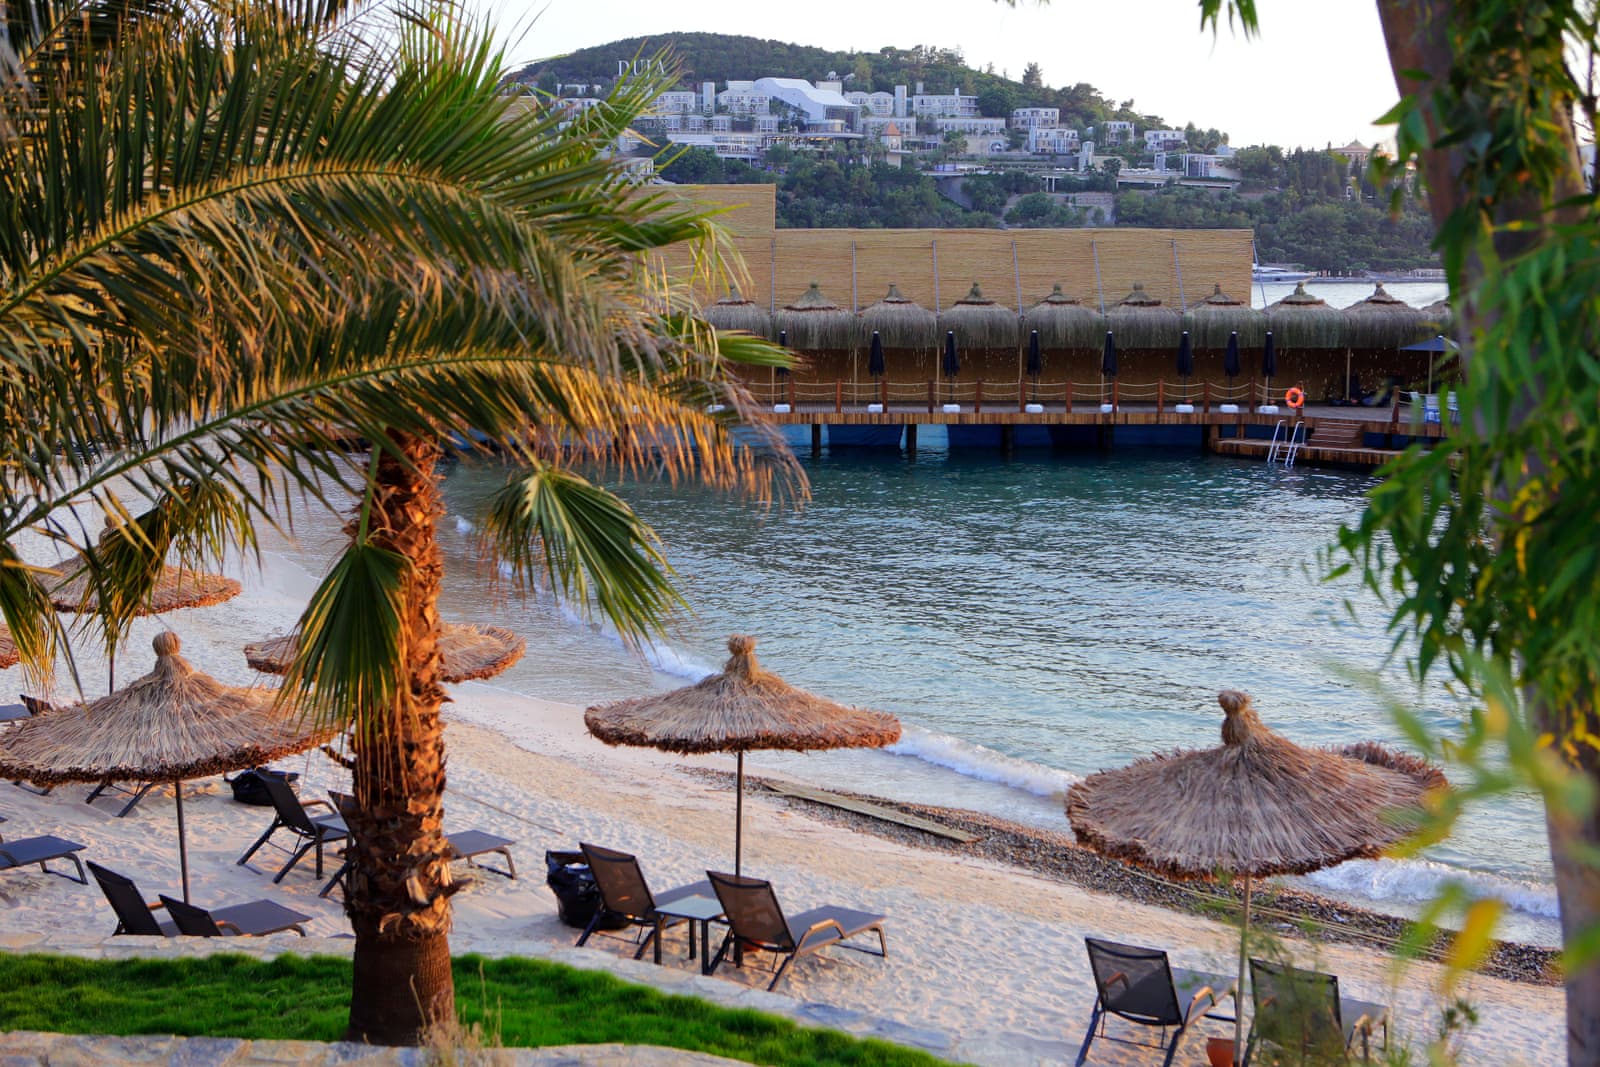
pixel 696 909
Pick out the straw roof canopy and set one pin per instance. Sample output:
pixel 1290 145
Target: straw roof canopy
pixel 8 650
pixel 1384 321
pixel 1440 316
pixel 979 322
pixel 1257 805
pixel 734 312
pixel 899 322
pixel 1062 322
pixel 1139 320
pixel 177 587
pixel 1210 321
pixel 814 322
pixel 172 724
pixel 1301 320
pixel 469 652
pixel 742 708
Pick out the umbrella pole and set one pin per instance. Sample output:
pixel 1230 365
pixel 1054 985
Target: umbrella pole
pixel 738 817
pixel 183 845
pixel 1238 994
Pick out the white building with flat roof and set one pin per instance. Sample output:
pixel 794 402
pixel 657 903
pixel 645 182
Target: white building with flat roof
pixel 1113 132
pixel 880 103
pixel 975 125
pixel 816 105
pixel 1165 140
pixel 943 105
pixel 1053 140
pixel 676 102
pixel 743 100
pixel 1036 118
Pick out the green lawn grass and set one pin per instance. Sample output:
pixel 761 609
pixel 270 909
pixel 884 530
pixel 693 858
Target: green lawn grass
pixel 522 1002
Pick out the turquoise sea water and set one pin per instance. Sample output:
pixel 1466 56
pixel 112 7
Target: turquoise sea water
pixel 1031 620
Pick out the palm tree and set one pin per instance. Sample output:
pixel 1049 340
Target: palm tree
pixel 239 234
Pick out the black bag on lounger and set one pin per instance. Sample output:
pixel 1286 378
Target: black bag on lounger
pixel 577 897
pixel 247 787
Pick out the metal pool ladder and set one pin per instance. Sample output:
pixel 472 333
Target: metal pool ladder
pixel 1286 445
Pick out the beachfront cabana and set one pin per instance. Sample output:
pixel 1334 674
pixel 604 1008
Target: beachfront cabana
pixel 1211 321
pixel 467 652
pixel 1301 320
pixel 741 709
pixel 1256 806
pixel 815 323
pixel 734 312
pixel 900 323
pixel 980 323
pixel 1384 321
pixel 173 724
pixel 1063 323
pixel 1140 320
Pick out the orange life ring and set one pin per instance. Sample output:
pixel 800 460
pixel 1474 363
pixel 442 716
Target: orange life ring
pixel 1295 397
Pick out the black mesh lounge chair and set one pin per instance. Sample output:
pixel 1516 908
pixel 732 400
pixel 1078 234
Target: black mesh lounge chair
pixel 623 892
pixel 756 922
pixel 134 914
pixel 1300 1018
pixel 26 851
pixel 255 919
pixel 311 832
pixel 464 845
pixel 1141 986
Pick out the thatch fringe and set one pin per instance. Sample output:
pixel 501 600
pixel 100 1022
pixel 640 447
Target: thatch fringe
pixel 8 650
pixel 734 312
pixel 742 708
pixel 1301 320
pixel 1064 323
pixel 899 322
pixel 1258 804
pixel 468 652
pixel 980 323
pixel 177 588
pixel 1211 320
pixel 1384 321
pixel 815 323
pixel 1441 317
pixel 172 724
pixel 1139 320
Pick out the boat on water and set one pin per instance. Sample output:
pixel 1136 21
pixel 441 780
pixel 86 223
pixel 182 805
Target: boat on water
pixel 1270 273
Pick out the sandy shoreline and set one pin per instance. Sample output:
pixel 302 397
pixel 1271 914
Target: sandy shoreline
pixel 982 948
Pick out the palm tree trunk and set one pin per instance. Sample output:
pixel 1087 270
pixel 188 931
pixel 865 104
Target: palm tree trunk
pixel 399 883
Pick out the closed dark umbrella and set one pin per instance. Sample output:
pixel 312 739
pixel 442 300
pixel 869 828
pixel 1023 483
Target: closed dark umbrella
pixel 1269 361
pixel 783 342
pixel 952 362
pixel 875 357
pixel 1230 361
pixel 1108 357
pixel 1035 360
pixel 1185 361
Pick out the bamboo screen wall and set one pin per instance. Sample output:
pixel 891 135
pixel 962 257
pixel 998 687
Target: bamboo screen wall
pixel 935 268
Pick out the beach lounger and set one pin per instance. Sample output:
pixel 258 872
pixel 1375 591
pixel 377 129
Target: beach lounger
pixel 255 919
pixel 310 832
pixel 464 845
pixel 1300 1015
pixel 1141 986
pixel 624 893
pixel 756 922
pixel 26 851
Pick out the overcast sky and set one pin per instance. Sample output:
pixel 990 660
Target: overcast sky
pixel 1318 73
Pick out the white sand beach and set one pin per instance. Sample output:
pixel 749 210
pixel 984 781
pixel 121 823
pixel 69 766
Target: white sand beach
pixel 986 961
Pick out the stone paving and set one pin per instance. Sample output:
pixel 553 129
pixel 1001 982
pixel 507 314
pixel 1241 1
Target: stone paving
pixel 34 1050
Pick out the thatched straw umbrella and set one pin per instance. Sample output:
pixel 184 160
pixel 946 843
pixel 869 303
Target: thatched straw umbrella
pixel 980 323
pixel 1062 322
pixel 1211 321
pixel 177 588
pixel 467 652
pixel 814 322
pixel 740 709
pixel 1384 321
pixel 1301 320
pixel 8 650
pixel 1141 321
pixel 1256 806
pixel 900 322
pixel 172 724
pixel 1440 316
pixel 734 312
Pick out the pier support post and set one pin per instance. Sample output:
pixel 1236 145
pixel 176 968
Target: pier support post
pixel 816 438
pixel 911 439
pixel 1008 439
